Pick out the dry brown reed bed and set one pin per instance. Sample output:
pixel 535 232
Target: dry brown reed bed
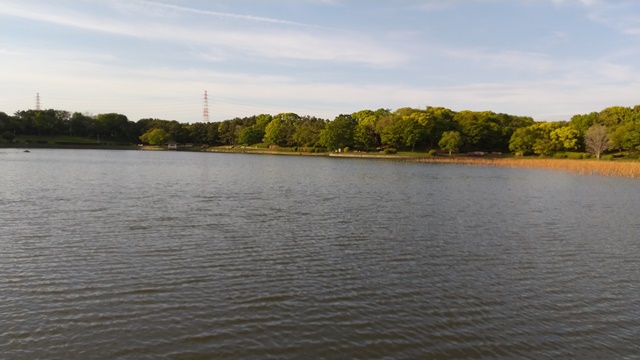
pixel 629 169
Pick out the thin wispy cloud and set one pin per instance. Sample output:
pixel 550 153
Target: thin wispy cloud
pixel 217 14
pixel 547 59
pixel 269 42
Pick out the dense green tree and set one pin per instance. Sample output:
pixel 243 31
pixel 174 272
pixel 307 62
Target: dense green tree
pixel 480 131
pixel 178 131
pixel 508 124
pixel 626 137
pixel 262 120
pixel 442 119
pixel 582 122
pixel 613 116
pixel 367 117
pixel 280 129
pixel 544 145
pixel 391 132
pixel 307 131
pixel 451 141
pixel 406 127
pixel 338 133
pixel 112 125
pixel 365 137
pixel 82 124
pixel 413 131
pixel 198 133
pixel 251 135
pixel 227 132
pixel 5 122
pixel 523 140
pixel 544 138
pixel 367 131
pixel 155 137
pixel 416 126
pixel 564 138
pixel 26 124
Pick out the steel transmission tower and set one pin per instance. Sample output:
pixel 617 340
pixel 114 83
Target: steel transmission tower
pixel 205 109
pixel 38 101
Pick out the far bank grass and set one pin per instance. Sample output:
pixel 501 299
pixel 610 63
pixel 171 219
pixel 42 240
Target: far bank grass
pixel 62 142
pixel 621 168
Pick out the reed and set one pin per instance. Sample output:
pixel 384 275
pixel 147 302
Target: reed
pixel 629 169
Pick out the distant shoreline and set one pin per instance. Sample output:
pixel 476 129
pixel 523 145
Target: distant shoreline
pixel 616 168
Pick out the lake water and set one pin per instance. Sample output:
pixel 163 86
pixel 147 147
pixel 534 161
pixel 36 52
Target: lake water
pixel 173 255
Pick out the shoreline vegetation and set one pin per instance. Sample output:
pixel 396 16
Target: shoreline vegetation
pixel 600 143
pixel 614 168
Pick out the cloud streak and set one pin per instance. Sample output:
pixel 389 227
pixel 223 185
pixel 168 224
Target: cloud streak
pixel 215 13
pixel 155 59
pixel 273 43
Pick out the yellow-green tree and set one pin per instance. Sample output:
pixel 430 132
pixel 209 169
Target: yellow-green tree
pixel 450 141
pixel 155 137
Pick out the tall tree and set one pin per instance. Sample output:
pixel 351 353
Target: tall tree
pixel 626 137
pixel 596 139
pixel 564 138
pixel 338 133
pixel 251 135
pixel 451 141
pixel 523 140
pixel 280 129
pixel 111 125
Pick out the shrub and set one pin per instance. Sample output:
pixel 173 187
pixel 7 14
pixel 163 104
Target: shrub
pixel 574 155
pixel 560 155
pixel 432 152
pixel 346 149
pixel 607 157
pixel 7 136
pixel 390 151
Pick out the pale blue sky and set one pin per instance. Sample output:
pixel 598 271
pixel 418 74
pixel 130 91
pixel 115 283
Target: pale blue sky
pixel 548 59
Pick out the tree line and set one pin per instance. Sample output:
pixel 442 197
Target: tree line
pixel 406 129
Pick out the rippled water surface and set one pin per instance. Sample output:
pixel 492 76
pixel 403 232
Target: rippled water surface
pixel 170 255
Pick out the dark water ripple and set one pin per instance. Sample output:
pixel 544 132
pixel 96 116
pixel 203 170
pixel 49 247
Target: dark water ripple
pixel 137 255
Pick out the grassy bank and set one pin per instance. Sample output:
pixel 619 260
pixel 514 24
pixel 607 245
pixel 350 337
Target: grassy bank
pixel 256 150
pixel 619 168
pixel 62 142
